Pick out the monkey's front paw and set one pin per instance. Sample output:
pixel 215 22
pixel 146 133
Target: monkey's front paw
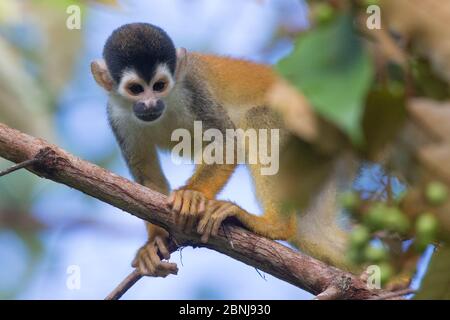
pixel 148 262
pixel 188 205
pixel 216 212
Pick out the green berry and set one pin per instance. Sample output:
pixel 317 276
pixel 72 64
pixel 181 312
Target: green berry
pixel 436 193
pixel 382 217
pixel 426 231
pixel 396 221
pixel 349 200
pixel 375 217
pixel 375 254
pixel 359 237
pixel 427 224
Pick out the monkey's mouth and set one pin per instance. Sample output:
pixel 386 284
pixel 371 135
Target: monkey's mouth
pixel 149 114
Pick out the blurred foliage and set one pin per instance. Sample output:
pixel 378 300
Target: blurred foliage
pixel 384 95
pixel 37 57
pixel 326 62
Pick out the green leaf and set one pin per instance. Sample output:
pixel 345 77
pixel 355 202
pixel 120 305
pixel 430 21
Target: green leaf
pixel 332 68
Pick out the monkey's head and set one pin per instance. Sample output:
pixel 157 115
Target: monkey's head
pixel 141 65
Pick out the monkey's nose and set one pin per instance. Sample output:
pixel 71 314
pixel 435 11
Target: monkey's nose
pixel 141 107
pixel 149 111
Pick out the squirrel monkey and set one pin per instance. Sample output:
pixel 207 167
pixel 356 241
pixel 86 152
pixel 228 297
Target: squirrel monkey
pixel 153 90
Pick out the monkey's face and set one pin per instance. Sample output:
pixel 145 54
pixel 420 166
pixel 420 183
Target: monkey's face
pixel 141 65
pixel 146 96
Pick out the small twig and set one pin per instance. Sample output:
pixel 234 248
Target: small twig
pixel 263 276
pixel 337 289
pixel 19 166
pixel 394 294
pixel 181 256
pixel 332 293
pixel 135 276
pixel 123 287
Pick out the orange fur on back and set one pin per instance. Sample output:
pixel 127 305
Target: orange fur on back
pixel 237 82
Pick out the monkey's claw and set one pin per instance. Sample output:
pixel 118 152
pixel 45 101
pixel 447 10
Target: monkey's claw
pixel 216 212
pixel 188 206
pixel 148 262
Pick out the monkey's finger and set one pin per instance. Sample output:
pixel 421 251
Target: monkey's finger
pixel 194 204
pixel 207 231
pixel 147 256
pixel 168 267
pixel 178 200
pixel 134 262
pixel 184 213
pixel 143 268
pixel 162 247
pixel 185 209
pixel 162 273
pixel 136 259
pixel 163 267
pixel 171 198
pixel 181 220
pixel 154 258
pixel 192 219
pixel 202 206
pixel 216 226
pixel 201 225
pixel 218 212
pixel 187 200
pixel 222 210
pixel 193 212
pixel 204 221
pixel 220 216
pixel 148 262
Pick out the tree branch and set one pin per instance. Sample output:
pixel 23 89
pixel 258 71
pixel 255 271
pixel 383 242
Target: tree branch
pixel 264 254
pixel 134 276
pixel 19 166
pixel 124 286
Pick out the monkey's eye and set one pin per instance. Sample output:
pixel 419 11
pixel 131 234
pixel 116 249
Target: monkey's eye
pixel 135 89
pixel 159 86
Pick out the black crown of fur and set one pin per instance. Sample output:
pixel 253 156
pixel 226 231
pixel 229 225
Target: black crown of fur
pixel 140 46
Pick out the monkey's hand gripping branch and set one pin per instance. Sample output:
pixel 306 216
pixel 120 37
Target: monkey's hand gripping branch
pixel 53 163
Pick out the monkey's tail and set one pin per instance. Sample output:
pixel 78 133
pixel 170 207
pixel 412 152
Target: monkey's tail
pixel 320 232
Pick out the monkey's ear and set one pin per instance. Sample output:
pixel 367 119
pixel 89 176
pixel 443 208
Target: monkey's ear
pixel 181 64
pixel 101 74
